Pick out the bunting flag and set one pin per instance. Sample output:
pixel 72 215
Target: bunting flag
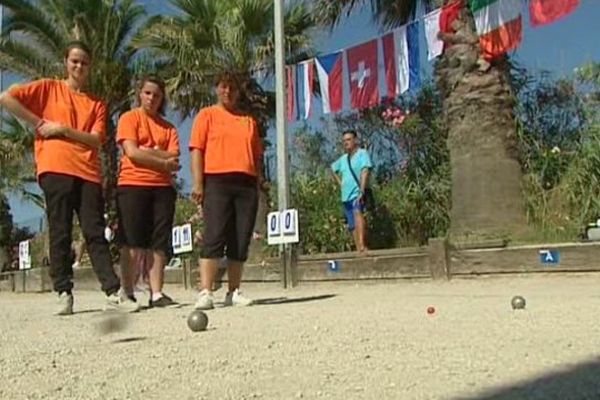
pixel 290 79
pixel 362 70
pixel 438 21
pixel 304 88
pixel 401 59
pixel 435 46
pixel 542 12
pixel 329 71
pixel 498 24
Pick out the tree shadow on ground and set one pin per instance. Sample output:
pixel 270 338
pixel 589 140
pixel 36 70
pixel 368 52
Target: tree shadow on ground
pixel 286 300
pixel 579 382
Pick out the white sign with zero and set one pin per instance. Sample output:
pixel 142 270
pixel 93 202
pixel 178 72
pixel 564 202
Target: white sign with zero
pixel 282 227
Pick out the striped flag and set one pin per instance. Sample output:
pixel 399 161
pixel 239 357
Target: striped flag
pixel 498 24
pixel 290 80
pixel 401 59
pixel 304 88
pixel 438 21
pixel 435 46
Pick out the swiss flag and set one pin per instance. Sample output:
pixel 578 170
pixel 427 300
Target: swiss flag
pixel 362 72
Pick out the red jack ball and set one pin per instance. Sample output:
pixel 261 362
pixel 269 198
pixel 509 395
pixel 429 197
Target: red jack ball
pixel 430 310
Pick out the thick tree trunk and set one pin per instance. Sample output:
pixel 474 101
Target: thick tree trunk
pixel 487 198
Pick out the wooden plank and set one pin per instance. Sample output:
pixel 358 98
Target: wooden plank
pixel 366 268
pixel 573 257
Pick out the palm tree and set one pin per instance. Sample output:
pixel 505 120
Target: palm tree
pixel 487 201
pixel 16 160
pixel 16 165
pixel 36 33
pixel 207 37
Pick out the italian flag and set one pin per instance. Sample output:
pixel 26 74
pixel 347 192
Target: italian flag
pixel 498 24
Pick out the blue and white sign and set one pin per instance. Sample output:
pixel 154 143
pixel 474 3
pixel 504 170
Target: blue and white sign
pixel 282 227
pixel 288 222
pixel 273 225
pixel 549 256
pixel 182 239
pixel 333 266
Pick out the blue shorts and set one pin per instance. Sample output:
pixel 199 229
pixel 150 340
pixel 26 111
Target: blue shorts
pixel 350 207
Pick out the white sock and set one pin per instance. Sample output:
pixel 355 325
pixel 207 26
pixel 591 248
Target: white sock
pixel 156 296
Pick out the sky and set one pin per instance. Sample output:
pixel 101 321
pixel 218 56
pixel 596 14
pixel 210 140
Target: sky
pixel 558 48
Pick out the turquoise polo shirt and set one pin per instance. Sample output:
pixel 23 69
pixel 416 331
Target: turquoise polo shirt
pixel 360 160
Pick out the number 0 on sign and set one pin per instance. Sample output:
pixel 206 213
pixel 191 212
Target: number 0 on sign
pixel 282 227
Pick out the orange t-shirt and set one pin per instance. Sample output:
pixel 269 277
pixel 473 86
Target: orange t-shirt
pixel 54 101
pixel 230 142
pixel 149 132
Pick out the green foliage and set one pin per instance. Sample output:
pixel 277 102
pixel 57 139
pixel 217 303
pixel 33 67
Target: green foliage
pixel 206 38
pixel 321 222
pixel 186 211
pixel 16 160
pixel 411 182
pixel 560 141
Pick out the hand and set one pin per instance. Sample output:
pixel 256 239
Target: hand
pixel 198 194
pixel 171 164
pixel 361 198
pixel 50 129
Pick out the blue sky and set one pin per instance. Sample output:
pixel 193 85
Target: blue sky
pixel 559 48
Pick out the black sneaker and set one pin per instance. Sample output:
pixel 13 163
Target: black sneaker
pixel 164 301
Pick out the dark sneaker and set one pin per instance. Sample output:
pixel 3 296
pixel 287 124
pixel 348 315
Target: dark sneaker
pixel 163 301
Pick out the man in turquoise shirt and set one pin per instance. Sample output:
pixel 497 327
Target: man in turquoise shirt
pixel 351 172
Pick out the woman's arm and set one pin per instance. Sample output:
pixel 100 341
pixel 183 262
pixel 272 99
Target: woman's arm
pixel 146 159
pixel 197 167
pixel 159 153
pixel 17 109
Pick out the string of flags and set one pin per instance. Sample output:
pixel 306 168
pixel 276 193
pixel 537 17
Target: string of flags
pixel 498 24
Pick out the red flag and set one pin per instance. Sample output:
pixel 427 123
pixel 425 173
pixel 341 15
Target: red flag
pixel 291 94
pixel 450 12
pixel 362 71
pixel 542 12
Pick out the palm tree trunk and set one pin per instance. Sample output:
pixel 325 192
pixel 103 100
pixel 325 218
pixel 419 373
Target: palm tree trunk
pixel 487 200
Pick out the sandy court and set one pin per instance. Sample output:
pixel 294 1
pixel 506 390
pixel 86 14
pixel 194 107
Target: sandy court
pixel 326 340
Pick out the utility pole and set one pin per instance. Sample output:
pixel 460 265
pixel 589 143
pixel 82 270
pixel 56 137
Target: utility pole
pixel 283 173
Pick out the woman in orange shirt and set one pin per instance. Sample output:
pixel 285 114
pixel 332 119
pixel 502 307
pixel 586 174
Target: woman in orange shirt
pixel 69 127
pixel 226 154
pixel 145 194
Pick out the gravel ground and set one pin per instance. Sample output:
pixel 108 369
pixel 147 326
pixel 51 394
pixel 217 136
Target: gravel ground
pixel 327 340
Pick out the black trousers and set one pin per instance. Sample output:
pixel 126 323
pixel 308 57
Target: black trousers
pixel 229 208
pixel 65 195
pixel 146 216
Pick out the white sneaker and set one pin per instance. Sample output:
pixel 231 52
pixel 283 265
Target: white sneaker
pixel 65 304
pixel 142 295
pixel 236 298
pixel 206 301
pixel 121 302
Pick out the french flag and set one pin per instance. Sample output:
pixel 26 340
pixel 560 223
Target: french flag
pixel 304 88
pixel 329 71
pixel 401 59
pixel 290 80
